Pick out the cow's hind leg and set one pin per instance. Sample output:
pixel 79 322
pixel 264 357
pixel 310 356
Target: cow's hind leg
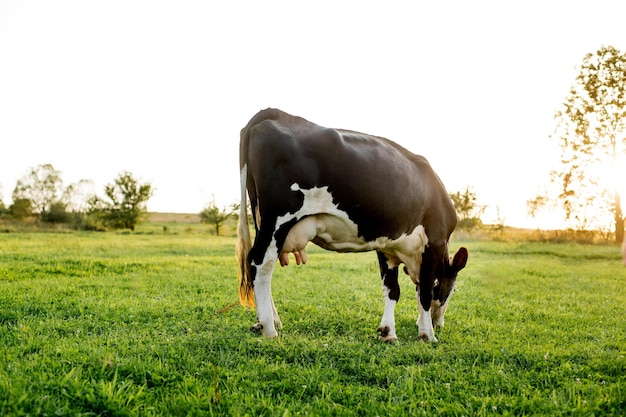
pixel 391 293
pixel 267 316
pixel 278 324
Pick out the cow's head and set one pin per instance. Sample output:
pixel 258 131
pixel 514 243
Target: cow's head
pixel 444 286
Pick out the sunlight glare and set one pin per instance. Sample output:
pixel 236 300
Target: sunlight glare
pixel 616 175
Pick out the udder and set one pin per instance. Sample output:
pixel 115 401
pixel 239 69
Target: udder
pixel 302 233
pixel 325 230
pixel 299 254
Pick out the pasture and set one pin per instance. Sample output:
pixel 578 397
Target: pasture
pixel 148 324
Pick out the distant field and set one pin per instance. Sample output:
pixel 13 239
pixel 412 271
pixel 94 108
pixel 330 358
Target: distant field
pixel 147 323
pixel 174 218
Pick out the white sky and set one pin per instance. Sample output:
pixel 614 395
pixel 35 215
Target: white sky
pixel 162 88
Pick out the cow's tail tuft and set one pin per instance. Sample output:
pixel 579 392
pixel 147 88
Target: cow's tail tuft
pixel 244 243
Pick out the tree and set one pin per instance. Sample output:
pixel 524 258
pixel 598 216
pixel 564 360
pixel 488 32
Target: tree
pixel 76 196
pixel 42 186
pixel 213 215
pixel 21 209
pixel 592 137
pixel 127 202
pixel 467 210
pixel 3 208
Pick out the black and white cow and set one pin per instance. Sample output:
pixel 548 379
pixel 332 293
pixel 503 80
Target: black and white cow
pixel 346 192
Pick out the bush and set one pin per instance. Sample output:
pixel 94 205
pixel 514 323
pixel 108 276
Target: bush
pixel 469 223
pixel 92 222
pixel 56 214
pixel 21 209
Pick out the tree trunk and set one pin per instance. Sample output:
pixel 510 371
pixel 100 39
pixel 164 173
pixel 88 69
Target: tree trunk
pixel 619 219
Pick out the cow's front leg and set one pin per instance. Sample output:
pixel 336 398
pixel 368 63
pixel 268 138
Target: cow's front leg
pixel 424 292
pixel 266 312
pixel 391 294
pixel 424 321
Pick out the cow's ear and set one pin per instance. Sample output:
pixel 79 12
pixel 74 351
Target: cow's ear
pixel 460 259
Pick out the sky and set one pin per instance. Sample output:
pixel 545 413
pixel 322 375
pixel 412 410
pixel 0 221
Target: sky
pixel 161 89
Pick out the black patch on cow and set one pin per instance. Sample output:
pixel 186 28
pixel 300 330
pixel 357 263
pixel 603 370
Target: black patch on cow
pixel 389 277
pixel 283 231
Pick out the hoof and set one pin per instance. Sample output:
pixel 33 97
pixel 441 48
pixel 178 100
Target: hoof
pixel 385 335
pixel 259 329
pixel 392 340
pixel 425 338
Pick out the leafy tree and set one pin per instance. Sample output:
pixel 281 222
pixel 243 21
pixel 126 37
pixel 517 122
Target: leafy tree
pixel 21 209
pixel 42 186
pixel 467 210
pixel 126 203
pixel 592 136
pixel 215 216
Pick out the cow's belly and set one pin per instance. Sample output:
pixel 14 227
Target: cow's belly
pixel 340 234
pixel 324 224
pixel 337 234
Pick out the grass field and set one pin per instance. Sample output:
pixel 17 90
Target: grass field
pixel 147 324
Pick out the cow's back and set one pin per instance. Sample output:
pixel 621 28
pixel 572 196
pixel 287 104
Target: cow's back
pixel 385 189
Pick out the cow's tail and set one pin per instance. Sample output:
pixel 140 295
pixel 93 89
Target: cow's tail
pixel 244 243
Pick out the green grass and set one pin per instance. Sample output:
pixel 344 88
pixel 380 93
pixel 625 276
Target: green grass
pixel 146 324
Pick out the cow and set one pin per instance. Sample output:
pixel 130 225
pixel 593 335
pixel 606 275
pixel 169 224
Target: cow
pixel 346 192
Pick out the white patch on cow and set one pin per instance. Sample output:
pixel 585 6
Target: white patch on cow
pixel 388 321
pixel 424 323
pixel 267 316
pixel 257 214
pixel 320 218
pixel 243 178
